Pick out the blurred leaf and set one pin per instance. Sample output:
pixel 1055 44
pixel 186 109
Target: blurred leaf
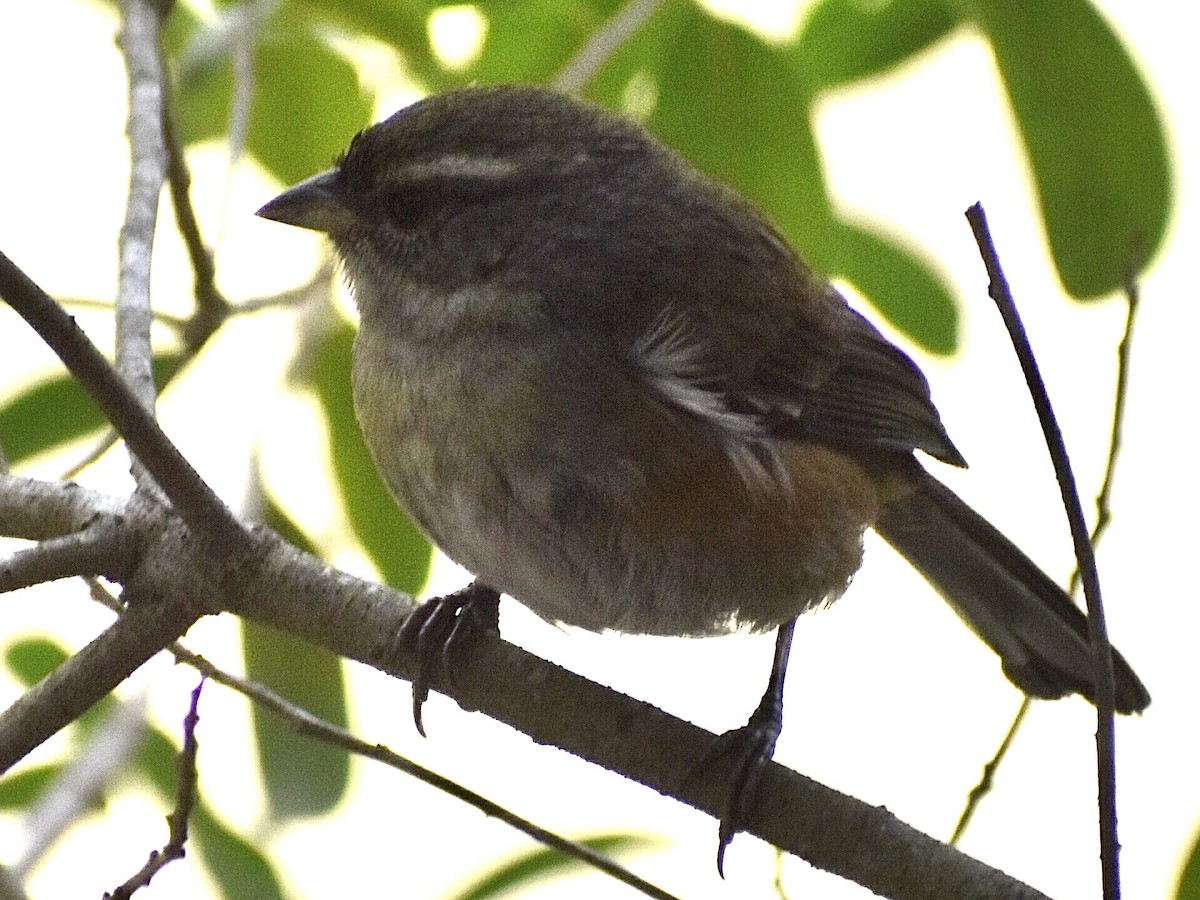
pixel 757 135
pixel 637 64
pixel 238 867
pixel 905 289
pixel 400 24
pixel 848 40
pixel 302 776
pixel 277 520
pixel 561 27
pixel 306 103
pixel 52 413
pixel 32 659
pixel 399 551
pixel 19 790
pixel 1094 138
pixel 528 869
pixel 156 759
pixel 739 109
pixel 1189 879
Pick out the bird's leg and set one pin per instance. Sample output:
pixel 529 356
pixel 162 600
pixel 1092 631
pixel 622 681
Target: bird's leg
pixel 439 627
pixel 748 749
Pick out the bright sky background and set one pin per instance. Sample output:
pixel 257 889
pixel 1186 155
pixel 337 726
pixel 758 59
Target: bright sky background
pixel 890 699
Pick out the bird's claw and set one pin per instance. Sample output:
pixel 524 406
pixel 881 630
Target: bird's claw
pixel 435 631
pixel 743 753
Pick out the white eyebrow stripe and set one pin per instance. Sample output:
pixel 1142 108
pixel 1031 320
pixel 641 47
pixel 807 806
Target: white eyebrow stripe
pixel 463 165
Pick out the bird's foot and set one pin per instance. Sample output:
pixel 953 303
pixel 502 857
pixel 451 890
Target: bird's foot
pixel 439 628
pixel 743 753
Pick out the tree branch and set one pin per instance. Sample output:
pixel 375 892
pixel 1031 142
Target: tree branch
pixel 604 44
pixel 292 591
pixel 138 39
pixel 191 496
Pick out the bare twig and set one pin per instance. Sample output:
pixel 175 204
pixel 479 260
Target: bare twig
pixel 76 789
pixel 1116 434
pixel 172 321
pixel 1105 737
pixel 984 787
pixel 604 44
pixel 141 21
pixel 187 491
pixel 36 510
pixel 99 549
pixel 211 306
pixel 185 802
pixel 297 593
pixel 195 331
pixel 306 723
pixel 1103 518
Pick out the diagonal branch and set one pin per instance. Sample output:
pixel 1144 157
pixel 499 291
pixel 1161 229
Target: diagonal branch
pixel 604 43
pixel 191 496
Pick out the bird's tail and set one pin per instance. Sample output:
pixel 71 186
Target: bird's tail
pixel 1039 633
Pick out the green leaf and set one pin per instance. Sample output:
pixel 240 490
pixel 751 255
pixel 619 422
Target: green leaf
pixel 905 289
pixel 509 55
pixel 305 107
pixel 55 412
pixel 302 776
pixel 739 109
pixel 18 790
pixel 848 40
pixel 400 24
pixel 1094 138
pixel 399 551
pixel 1189 879
pixel 156 759
pixel 761 141
pixel 237 866
pixel 32 659
pixel 530 869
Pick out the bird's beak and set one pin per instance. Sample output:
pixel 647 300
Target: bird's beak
pixel 314 203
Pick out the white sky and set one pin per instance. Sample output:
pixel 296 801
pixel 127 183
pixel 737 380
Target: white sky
pixel 890 698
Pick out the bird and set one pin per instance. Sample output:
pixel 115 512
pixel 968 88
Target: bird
pixel 607 385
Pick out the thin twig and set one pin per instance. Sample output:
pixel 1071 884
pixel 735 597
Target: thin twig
pixel 172 321
pixel 199 507
pixel 81 782
pixel 185 802
pixel 1098 633
pixel 604 44
pixel 1116 434
pixel 1103 519
pixel 984 787
pixel 306 723
pixel 211 306
pixel 200 333
pixel 299 594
